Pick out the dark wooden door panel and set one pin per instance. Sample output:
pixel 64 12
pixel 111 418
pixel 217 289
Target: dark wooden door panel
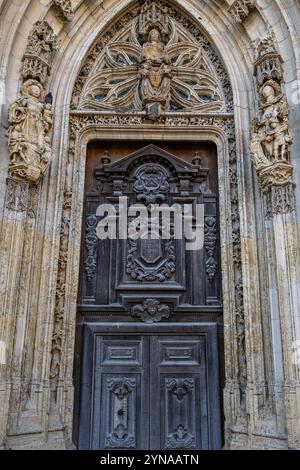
pixel 149 309
pixel 151 391
pixel 120 393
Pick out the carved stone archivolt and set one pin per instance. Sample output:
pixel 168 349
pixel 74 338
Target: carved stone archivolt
pixel 107 94
pixel 159 61
pixel 271 140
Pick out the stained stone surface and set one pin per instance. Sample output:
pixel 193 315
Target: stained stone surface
pixel 41 217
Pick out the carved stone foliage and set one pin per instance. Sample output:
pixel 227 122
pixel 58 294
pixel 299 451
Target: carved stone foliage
pixel 271 140
pixel 210 243
pixel 238 276
pixel 149 65
pixel 63 9
pixel 30 120
pixel 151 311
pixel 39 54
pixel 240 9
pixel 59 314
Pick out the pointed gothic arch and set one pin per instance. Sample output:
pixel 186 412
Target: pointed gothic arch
pixel 240 203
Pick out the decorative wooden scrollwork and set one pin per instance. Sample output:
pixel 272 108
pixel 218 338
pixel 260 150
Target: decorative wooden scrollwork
pixel 151 311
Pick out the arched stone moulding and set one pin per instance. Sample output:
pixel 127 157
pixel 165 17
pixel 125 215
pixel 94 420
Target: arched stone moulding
pixel 236 363
pixel 66 176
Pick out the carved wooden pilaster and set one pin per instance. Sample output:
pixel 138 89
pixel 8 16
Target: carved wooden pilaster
pixel 240 9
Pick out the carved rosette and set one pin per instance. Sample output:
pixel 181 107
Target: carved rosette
pixel 271 140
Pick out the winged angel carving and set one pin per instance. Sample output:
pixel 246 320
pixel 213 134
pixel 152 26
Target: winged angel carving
pixel 166 65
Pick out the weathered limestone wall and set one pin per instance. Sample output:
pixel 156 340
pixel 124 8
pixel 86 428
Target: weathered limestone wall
pixel 40 234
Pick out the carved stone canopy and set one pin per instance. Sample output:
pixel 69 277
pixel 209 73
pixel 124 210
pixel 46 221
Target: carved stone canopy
pixel 268 63
pixel 240 9
pixel 40 50
pixel 157 58
pixel 63 9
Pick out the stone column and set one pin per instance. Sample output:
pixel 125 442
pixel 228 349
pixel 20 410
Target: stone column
pixel 270 151
pixel 28 136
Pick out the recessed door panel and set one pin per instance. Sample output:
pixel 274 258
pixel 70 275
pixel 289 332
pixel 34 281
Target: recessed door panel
pixel 153 391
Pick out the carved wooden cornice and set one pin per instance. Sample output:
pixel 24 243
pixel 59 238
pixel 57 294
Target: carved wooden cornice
pixel 240 9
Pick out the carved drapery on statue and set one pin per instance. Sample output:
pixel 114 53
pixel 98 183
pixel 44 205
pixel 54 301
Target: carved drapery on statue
pixel 30 116
pixel 153 64
pixel 271 140
pixel 30 120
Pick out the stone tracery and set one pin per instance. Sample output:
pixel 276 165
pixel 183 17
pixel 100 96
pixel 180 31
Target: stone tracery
pixel 153 61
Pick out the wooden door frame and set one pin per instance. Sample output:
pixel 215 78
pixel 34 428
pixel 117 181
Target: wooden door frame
pixel 219 129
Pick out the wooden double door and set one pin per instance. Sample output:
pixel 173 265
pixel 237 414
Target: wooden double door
pixel 148 363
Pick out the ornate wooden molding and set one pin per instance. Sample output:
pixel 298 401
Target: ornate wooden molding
pixel 271 140
pixel 151 311
pixel 240 9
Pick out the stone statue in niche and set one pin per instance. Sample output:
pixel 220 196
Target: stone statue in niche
pixel 155 75
pixel 271 140
pixel 30 120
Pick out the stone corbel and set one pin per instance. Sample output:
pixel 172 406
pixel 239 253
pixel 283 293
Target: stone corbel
pixel 271 140
pixel 240 9
pixel 63 9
